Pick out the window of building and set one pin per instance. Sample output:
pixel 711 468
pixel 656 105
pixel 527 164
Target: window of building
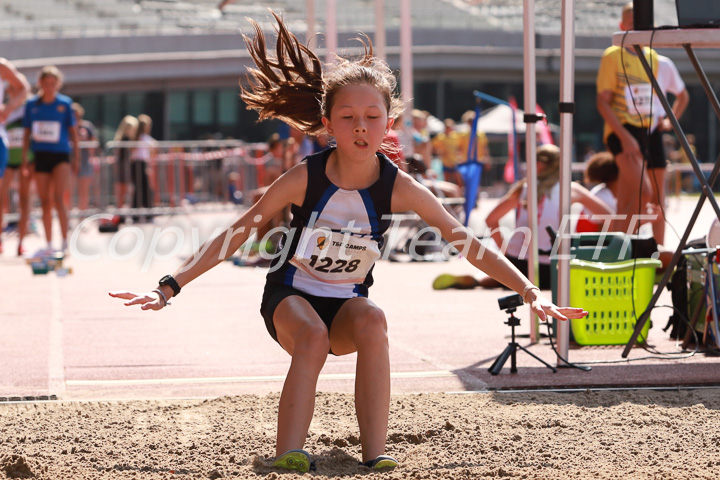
pixel 228 104
pixel 202 108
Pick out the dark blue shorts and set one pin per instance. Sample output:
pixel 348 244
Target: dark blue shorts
pixel 45 162
pixel 326 307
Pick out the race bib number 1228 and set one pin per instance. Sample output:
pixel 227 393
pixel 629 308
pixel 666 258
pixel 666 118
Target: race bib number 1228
pixel 334 257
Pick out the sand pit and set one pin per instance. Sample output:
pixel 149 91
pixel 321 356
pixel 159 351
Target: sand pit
pixel 599 435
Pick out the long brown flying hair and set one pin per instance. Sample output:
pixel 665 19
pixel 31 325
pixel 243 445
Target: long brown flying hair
pixel 292 86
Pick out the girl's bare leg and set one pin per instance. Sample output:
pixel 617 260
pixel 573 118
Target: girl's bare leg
pixel 360 326
pixel 305 337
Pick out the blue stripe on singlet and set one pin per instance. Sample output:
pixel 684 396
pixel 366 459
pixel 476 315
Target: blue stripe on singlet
pixel 320 206
pixel 290 274
pixel 371 213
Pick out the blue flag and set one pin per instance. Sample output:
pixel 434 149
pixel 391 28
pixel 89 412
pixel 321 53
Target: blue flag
pixel 471 169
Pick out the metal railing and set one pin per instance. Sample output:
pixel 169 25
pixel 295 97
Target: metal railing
pixel 211 175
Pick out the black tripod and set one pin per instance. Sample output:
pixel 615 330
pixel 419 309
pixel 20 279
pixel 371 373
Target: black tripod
pixel 512 347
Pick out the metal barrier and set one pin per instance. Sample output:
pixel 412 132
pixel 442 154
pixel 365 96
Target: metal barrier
pixel 180 172
pixel 215 173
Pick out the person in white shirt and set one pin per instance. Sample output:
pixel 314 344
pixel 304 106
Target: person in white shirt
pixel 669 80
pixel 140 169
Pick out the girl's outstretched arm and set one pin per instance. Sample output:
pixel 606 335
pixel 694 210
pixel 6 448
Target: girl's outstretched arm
pixel 289 188
pixel 410 195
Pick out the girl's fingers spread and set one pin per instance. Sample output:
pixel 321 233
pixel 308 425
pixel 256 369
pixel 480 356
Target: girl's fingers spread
pixel 126 295
pixel 573 312
pixel 138 300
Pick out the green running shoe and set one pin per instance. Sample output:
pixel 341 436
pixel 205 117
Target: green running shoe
pixel 297 460
pixel 383 462
pixel 446 280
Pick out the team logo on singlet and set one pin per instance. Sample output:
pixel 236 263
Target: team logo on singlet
pixel 61 108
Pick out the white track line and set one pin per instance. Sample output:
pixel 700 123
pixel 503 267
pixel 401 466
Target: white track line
pixel 246 379
pixel 56 368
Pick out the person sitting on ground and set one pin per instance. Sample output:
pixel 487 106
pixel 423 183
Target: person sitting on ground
pixel 602 172
pixel 515 247
pixel 316 295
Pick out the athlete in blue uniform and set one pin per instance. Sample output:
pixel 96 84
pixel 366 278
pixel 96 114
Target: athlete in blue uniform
pixel 316 299
pixel 50 127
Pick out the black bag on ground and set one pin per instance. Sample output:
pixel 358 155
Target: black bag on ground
pixel 678 286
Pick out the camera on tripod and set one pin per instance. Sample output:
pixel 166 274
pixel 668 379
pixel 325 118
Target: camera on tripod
pixel 510 302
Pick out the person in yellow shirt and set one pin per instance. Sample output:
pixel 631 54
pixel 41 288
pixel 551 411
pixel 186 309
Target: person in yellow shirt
pixel 447 146
pixel 625 102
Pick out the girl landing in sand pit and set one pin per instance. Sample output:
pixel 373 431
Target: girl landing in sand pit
pixel 316 295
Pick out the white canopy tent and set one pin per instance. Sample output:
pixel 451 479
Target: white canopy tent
pixel 498 121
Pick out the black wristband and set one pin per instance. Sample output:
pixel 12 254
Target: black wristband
pixel 170 282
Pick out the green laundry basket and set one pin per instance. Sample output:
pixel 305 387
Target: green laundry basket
pixel 607 291
pixel 596 247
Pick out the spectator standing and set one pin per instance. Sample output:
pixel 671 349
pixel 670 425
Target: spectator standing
pixel 481 141
pixel 126 132
pixel 140 158
pixel 17 91
pixel 421 135
pixel 86 134
pixel 447 146
pixel 625 101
